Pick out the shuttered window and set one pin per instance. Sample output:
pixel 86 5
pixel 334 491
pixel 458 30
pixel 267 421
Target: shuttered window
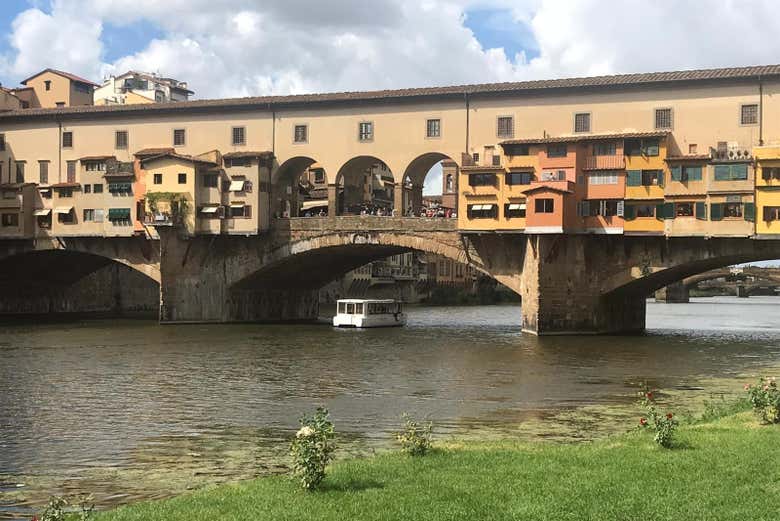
pixel 716 211
pixel 71 171
pixel 701 211
pixel 737 172
pixel 750 212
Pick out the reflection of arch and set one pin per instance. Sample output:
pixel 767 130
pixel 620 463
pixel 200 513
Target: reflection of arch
pixel 350 180
pixel 286 179
pixel 414 178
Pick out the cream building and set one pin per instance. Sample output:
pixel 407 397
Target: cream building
pixel 53 88
pixel 140 87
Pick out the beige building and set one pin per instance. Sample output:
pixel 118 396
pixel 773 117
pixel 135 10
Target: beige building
pixel 8 100
pixel 140 87
pixel 52 88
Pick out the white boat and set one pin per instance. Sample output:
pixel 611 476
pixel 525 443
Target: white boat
pixel 368 313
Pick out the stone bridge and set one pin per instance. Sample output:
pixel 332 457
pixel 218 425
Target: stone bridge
pixel 568 283
pixel 679 292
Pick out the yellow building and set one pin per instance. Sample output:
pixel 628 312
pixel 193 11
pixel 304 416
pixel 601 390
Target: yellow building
pixel 51 88
pixel 767 191
pixel 646 175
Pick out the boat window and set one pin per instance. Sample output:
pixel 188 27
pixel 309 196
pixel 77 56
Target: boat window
pixel 359 309
pixel 350 309
pixel 342 307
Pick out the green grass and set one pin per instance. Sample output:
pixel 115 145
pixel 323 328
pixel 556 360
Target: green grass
pixel 728 468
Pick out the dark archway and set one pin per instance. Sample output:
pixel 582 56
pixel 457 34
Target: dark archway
pixel 364 184
pixel 418 172
pixel 300 187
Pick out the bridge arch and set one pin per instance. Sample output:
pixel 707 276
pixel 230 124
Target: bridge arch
pixel 414 179
pixel 288 180
pixel 361 173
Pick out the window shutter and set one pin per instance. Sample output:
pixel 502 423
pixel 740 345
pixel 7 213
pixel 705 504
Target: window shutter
pixel 701 211
pixel 739 172
pixel 716 211
pixel 660 176
pixel 766 173
pixel 676 173
pixel 634 178
pixel 767 214
pixel 602 208
pixel 659 211
pixel 629 212
pixel 621 208
pixel 750 212
pixel 722 172
pixel 694 173
pixel 668 210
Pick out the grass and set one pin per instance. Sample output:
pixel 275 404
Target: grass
pixel 721 469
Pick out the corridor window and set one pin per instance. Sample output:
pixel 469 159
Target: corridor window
pixel 238 135
pixel 544 206
pixel 683 209
pixel 482 179
pixel 734 172
pixel 120 139
pixel 505 127
pixel 179 137
pixel 663 119
pixel 557 150
pixel 582 122
pixel 482 211
pixel 749 114
pixel 433 128
pixel 301 134
pixel 67 140
pixel 518 178
pixel 365 131
pixel 517 150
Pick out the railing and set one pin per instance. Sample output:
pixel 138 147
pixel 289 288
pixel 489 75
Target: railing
pixel 161 219
pixel 359 223
pixel 616 162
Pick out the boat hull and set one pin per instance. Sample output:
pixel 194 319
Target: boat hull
pixel 356 321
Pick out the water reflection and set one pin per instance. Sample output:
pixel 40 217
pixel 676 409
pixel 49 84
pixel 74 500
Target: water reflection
pixel 130 410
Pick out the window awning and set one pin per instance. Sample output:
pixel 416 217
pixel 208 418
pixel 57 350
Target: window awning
pixel 63 209
pixel 236 186
pixel 119 213
pixel 482 207
pixel 42 212
pixel 315 204
pixel 517 206
pixel 209 209
pixel 237 205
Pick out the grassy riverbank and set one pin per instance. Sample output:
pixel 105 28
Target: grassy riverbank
pixel 724 469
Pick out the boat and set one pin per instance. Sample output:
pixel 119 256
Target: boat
pixel 363 313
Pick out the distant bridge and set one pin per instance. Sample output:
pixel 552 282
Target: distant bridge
pixel 744 281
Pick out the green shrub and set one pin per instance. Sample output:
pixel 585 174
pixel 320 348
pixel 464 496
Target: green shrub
pixel 664 425
pixel 60 509
pixel 415 438
pixel 765 399
pixel 312 449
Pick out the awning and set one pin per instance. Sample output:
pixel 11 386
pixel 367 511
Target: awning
pixel 209 209
pixel 42 212
pixel 517 206
pixel 118 213
pixel 315 204
pixel 482 207
pixel 236 186
pixel 237 205
pixel 63 209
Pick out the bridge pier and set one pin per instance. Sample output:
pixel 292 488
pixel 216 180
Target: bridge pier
pixel 676 293
pixel 562 290
pixel 742 291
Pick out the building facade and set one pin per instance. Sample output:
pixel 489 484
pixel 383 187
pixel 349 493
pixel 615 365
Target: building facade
pixel 52 88
pixel 140 87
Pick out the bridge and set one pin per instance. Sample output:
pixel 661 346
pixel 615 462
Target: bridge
pixel 745 281
pixel 568 283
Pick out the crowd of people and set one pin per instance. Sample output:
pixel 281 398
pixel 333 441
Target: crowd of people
pixel 382 211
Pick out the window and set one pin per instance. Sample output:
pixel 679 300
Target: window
pixel 482 211
pixel 240 211
pixel 19 172
pixel 319 176
pixel 518 178
pixel 64 193
pixel 603 179
pixel 496 160
pixel 95 166
pixel 544 205
pixel 66 218
pixel 47 84
pixel 683 209
pixel 767 174
pixel 505 127
pixel 645 210
pixel 514 210
pixel 238 161
pixel 772 213
pixel 733 210
pixel 686 173
pixel 71 171
pixel 179 137
pixel 365 131
pixel 734 172
pixel 97 188
pixel 87 189
pixel 2 142
pixel 582 122
pixel 158 179
pixel 60 104
pixel 558 175
pixel 43 172
pixel 89 215
pixel 482 179
pixel 557 150
pixel 604 149
pixel 604 208
pixel 643 147
pixel 238 135
pixel 120 139
pixel 433 128
pixel 210 180
pixel 692 148
pixel 10 219
pixel 663 119
pixel 182 179
pixel 67 139
pixel 749 114
pixel 301 134
pixel 644 178
pixel 475 158
pixel 517 150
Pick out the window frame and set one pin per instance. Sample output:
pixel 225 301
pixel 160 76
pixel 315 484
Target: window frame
pixel 483 177
pixel 157 178
pixel 184 137
pixel 544 201
pixel 365 137
pixel 671 118
pixel 742 115
pixel 180 176
pixel 68 133
pixel 43 171
pixel 305 127
pixel 2 142
pixel 117 145
pixel 589 120
pixel 682 204
pixel 511 132
pixel 233 141
pixel 509 178
pixel 437 134
pixel 553 146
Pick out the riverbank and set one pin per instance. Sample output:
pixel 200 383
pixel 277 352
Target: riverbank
pixel 723 469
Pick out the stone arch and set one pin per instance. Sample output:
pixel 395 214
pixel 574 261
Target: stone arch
pixel 348 183
pixel 287 199
pixel 413 180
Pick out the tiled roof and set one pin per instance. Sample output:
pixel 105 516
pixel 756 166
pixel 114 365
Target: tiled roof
pixel 153 151
pixel 178 156
pixel 96 158
pixel 583 137
pixel 239 155
pixel 457 91
pixel 64 74
pixel 689 157
pixel 65 185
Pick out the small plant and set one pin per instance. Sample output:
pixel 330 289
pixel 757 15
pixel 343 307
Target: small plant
pixel 415 438
pixel 312 449
pixel 663 424
pixel 765 399
pixel 61 508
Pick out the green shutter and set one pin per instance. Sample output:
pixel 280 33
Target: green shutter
pixel 750 212
pixel 634 178
pixel 739 172
pixel 659 174
pixel 629 212
pixel 676 173
pixel 694 173
pixel 722 172
pixel 118 213
pixel 716 211
pixel 701 211
pixel 668 210
pixel 659 211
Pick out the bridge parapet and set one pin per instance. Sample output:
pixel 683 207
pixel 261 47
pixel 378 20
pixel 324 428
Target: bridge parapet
pixel 366 223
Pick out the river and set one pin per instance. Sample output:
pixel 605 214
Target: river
pixel 130 410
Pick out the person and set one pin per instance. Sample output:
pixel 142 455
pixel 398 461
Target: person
pixel 322 212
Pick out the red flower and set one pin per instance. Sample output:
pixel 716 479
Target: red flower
pixel 643 421
pixel 649 396
pixel 669 415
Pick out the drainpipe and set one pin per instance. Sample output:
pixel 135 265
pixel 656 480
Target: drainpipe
pixel 466 97
pixel 760 112
pixel 59 151
pixel 271 166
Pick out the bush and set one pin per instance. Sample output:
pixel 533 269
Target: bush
pixel 312 449
pixel 765 399
pixel 59 509
pixel 415 438
pixel 663 424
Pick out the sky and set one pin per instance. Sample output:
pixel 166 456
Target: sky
pixel 226 48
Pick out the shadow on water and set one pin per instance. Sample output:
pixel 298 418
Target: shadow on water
pixel 129 410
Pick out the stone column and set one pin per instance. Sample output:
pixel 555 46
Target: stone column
pixel 561 290
pixel 417 198
pixel 333 191
pixel 398 199
pixel 676 293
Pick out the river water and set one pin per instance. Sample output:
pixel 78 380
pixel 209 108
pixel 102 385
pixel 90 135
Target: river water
pixel 130 410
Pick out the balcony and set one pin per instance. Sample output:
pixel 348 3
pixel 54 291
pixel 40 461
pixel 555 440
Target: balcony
pixel 616 162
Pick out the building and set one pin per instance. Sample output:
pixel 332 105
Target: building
pixel 767 191
pixel 51 88
pixel 449 184
pixel 9 100
pixel 140 87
